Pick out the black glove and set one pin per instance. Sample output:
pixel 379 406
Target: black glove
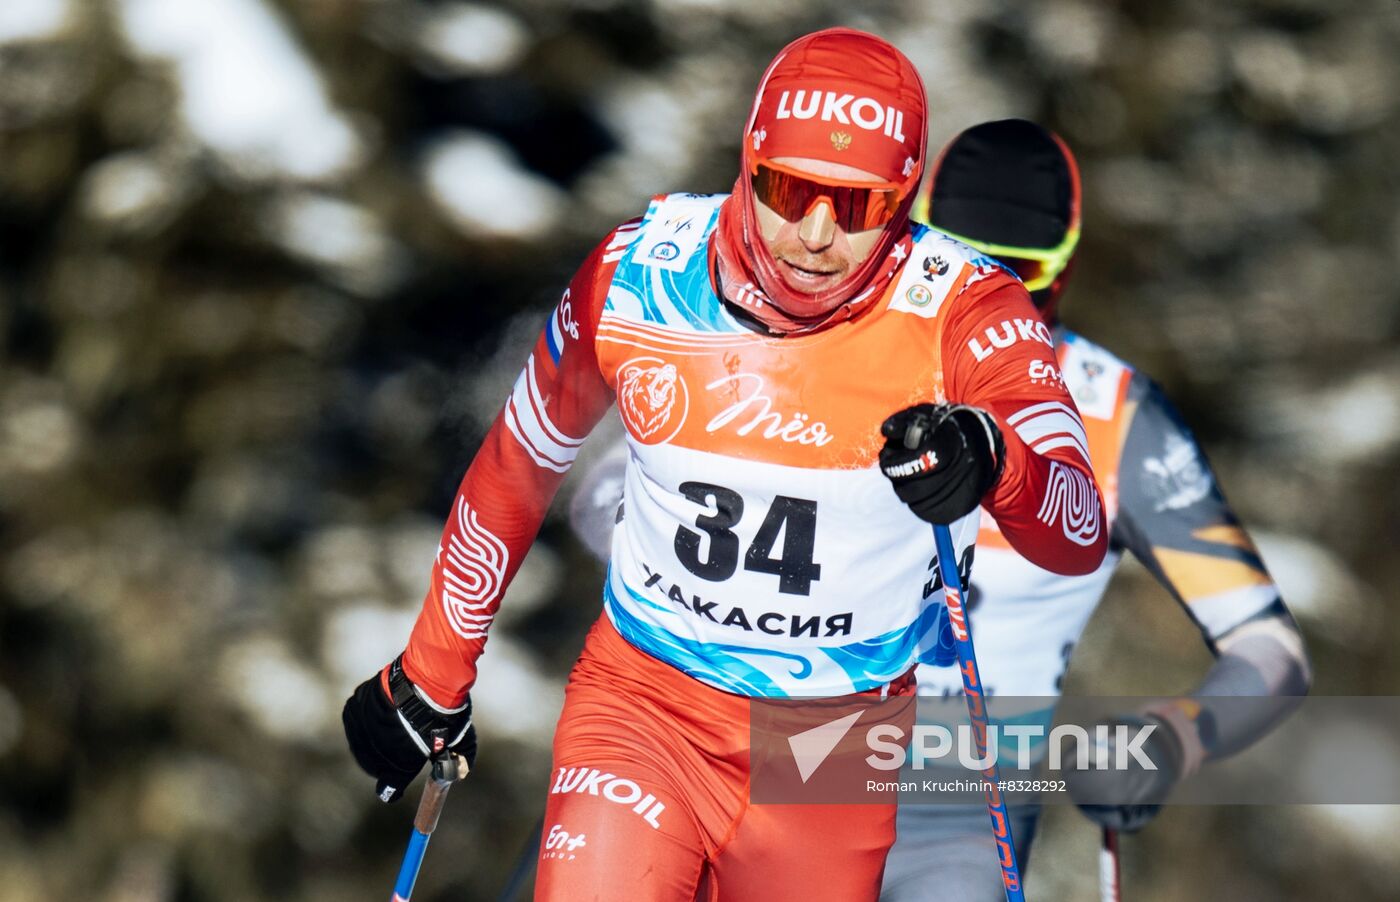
pixel 942 458
pixel 1125 799
pixel 392 737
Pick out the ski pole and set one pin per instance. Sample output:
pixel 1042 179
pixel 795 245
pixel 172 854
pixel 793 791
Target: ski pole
pixel 1110 874
pixel 977 713
pixel 524 865
pixel 447 768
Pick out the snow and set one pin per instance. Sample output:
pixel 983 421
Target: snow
pixel 469 39
pixel 360 639
pixel 33 20
pixel 479 184
pixel 1317 586
pixel 346 239
pixel 247 91
pixel 284 697
pixel 512 696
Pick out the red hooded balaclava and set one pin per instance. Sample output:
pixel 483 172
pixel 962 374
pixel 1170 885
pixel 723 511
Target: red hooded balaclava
pixel 841 96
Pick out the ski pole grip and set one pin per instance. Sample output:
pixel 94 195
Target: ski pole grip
pixel 446 771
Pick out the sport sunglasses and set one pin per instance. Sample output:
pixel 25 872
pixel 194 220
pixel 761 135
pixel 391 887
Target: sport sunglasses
pixel 1036 267
pixel 857 206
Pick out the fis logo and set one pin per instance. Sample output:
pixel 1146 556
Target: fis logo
pixel 595 782
pixel 844 109
pixel 681 223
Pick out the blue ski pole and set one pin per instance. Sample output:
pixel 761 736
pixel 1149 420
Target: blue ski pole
pixel 447 768
pixel 977 713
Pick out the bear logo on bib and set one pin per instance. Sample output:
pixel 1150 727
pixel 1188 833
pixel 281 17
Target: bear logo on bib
pixel 652 398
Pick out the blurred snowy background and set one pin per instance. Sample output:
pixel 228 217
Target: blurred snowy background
pixel 267 270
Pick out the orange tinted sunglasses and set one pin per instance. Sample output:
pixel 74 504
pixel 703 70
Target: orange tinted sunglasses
pixel 858 206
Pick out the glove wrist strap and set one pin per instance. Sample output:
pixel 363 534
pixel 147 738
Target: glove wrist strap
pixel 421 715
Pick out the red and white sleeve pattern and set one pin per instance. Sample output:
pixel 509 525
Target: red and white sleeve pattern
pixel 558 398
pixel 998 355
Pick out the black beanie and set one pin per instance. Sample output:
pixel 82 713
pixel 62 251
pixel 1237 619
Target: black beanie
pixel 1005 182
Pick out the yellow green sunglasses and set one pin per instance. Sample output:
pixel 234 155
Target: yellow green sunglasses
pixel 1036 267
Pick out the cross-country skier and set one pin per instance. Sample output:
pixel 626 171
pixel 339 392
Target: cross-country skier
pixel 753 344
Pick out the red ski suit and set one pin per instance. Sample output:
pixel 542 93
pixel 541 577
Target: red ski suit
pixel 660 707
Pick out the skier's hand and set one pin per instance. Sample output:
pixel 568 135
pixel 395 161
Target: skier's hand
pixel 392 728
pixel 1126 798
pixel 942 458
